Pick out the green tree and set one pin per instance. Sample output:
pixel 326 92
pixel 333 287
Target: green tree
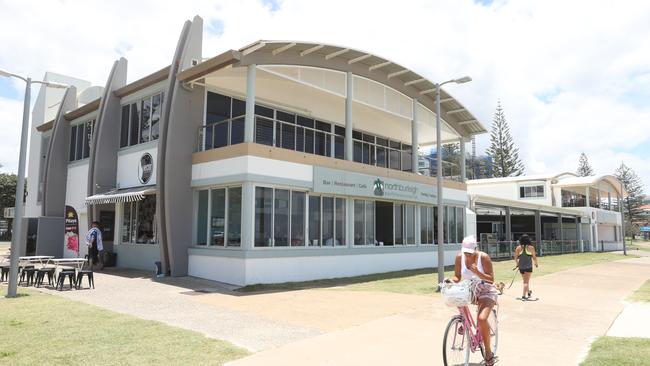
pixel 634 189
pixel 502 150
pixel 451 159
pixel 584 168
pixel 7 191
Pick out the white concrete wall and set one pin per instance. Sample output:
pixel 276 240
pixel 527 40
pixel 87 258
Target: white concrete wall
pixel 252 165
pixel 510 191
pixel 239 271
pixel 128 163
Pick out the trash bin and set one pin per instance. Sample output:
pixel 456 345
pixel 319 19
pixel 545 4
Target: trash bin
pixel 110 259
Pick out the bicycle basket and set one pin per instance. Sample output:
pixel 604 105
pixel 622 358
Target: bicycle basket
pixel 457 294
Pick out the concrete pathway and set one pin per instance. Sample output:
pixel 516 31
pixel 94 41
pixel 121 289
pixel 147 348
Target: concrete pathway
pixel 634 321
pixel 576 306
pixel 340 327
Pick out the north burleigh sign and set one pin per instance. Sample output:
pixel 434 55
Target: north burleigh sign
pixel 355 184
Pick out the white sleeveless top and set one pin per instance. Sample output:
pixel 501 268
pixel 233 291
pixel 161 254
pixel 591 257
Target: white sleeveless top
pixel 465 273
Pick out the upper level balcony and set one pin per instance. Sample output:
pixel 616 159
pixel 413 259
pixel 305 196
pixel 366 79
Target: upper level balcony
pixel 601 192
pixel 328 101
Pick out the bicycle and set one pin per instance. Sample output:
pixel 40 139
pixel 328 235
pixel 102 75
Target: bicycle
pixel 462 334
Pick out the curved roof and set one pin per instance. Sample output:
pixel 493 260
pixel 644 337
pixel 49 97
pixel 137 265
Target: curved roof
pixel 361 63
pixel 592 181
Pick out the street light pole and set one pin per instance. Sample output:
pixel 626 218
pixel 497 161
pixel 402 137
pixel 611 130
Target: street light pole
pixel 441 249
pixel 16 230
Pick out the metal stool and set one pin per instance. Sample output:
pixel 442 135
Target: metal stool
pixel 89 274
pixel 70 273
pixel 40 276
pixel 27 275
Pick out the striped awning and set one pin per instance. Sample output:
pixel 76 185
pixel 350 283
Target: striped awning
pixel 121 195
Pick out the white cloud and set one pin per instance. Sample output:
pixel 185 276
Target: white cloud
pixel 572 76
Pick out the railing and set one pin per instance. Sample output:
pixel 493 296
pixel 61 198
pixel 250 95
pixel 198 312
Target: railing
pixel 506 249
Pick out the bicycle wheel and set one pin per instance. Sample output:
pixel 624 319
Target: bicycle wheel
pixel 494 333
pixel 456 343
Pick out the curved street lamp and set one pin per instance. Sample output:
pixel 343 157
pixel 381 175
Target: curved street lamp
pixel 441 251
pixel 16 229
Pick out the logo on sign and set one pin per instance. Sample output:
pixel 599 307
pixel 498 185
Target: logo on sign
pixel 378 187
pixel 145 169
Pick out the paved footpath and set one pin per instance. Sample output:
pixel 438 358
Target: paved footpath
pixel 340 327
pixel 576 306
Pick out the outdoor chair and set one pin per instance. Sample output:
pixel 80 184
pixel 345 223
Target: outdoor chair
pixel 70 273
pixel 27 275
pixel 4 272
pixel 40 276
pixel 89 274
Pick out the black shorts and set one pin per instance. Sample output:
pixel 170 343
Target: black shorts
pixel 524 270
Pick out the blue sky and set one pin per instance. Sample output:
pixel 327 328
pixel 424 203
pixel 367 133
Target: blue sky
pixel 572 76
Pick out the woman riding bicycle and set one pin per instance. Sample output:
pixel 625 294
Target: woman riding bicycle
pixel 472 264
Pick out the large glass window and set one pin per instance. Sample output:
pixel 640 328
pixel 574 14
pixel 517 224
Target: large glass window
pixel 398 223
pixel 409 215
pixel 139 221
pixel 339 221
pixel 460 224
pixel 298 218
pixel 140 120
pixel 328 221
pixel 81 140
pixel 531 191
pixel 281 218
pixel 426 225
pixel 314 220
pixel 219 217
pixel 263 218
pixel 364 222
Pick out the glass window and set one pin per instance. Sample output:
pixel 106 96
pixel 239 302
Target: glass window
pixel 328 221
pixel 88 139
pixel 156 109
pixel 370 222
pixel 381 157
pixel 264 131
pixel 394 160
pixel 281 218
pixel 339 147
pixel 238 108
pixel 208 136
pixel 145 123
pixel 234 216
pixel 237 131
pixel 217 216
pixel 340 221
pixel 359 222
pixel 452 225
pixel 124 127
pixel 135 123
pixel 220 131
pixel 202 219
pixel 298 218
pixel 263 111
pixel 127 224
pixel 79 141
pixel 309 141
pixel 319 143
pixel 263 212
pixel 424 225
pixel 288 136
pixel 531 191
pixel 460 224
pixel 300 139
pixel 73 143
pixel 217 109
pixel 398 224
pixel 410 223
pixel 357 154
pixel 435 225
pixel 314 220
pixel 146 220
pixel 445 225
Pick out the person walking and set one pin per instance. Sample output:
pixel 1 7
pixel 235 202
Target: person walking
pixel 525 256
pixel 95 246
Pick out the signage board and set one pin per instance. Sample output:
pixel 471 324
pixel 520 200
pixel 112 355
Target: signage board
pixel 71 230
pixel 340 182
pixel 645 229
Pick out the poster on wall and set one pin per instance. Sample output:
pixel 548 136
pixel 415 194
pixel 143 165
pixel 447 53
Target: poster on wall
pixel 71 231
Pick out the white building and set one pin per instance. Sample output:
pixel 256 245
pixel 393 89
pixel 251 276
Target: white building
pixel 562 212
pixel 279 161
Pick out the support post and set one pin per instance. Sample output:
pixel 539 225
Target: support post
pixel 620 209
pixel 248 216
pixel 587 197
pixel 441 215
pixel 348 117
pixel 17 229
pixel 508 225
pixel 538 230
pixel 463 171
pixel 249 119
pixel 414 138
pixel 579 233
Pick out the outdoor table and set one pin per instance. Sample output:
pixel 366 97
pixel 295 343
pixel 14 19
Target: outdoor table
pixel 77 263
pixel 40 259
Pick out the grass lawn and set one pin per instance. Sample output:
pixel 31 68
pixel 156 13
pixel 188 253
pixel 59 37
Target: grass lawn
pixel 642 294
pixel 424 281
pixel 608 351
pixel 37 328
pixel 639 244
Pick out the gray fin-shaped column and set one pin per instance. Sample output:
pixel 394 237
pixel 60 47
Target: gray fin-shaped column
pixel 182 115
pixel 102 166
pixel 56 164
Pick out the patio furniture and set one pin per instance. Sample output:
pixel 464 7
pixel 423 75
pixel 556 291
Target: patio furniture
pixel 4 272
pixel 27 275
pixel 67 272
pixel 88 273
pixel 40 276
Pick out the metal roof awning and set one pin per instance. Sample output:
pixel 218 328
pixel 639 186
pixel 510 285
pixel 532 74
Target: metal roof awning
pixel 121 195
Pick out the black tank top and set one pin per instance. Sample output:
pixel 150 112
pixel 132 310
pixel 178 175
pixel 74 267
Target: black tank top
pixel 525 258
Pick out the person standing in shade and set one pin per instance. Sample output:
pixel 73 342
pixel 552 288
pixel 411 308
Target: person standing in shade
pixel 95 246
pixel 525 256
